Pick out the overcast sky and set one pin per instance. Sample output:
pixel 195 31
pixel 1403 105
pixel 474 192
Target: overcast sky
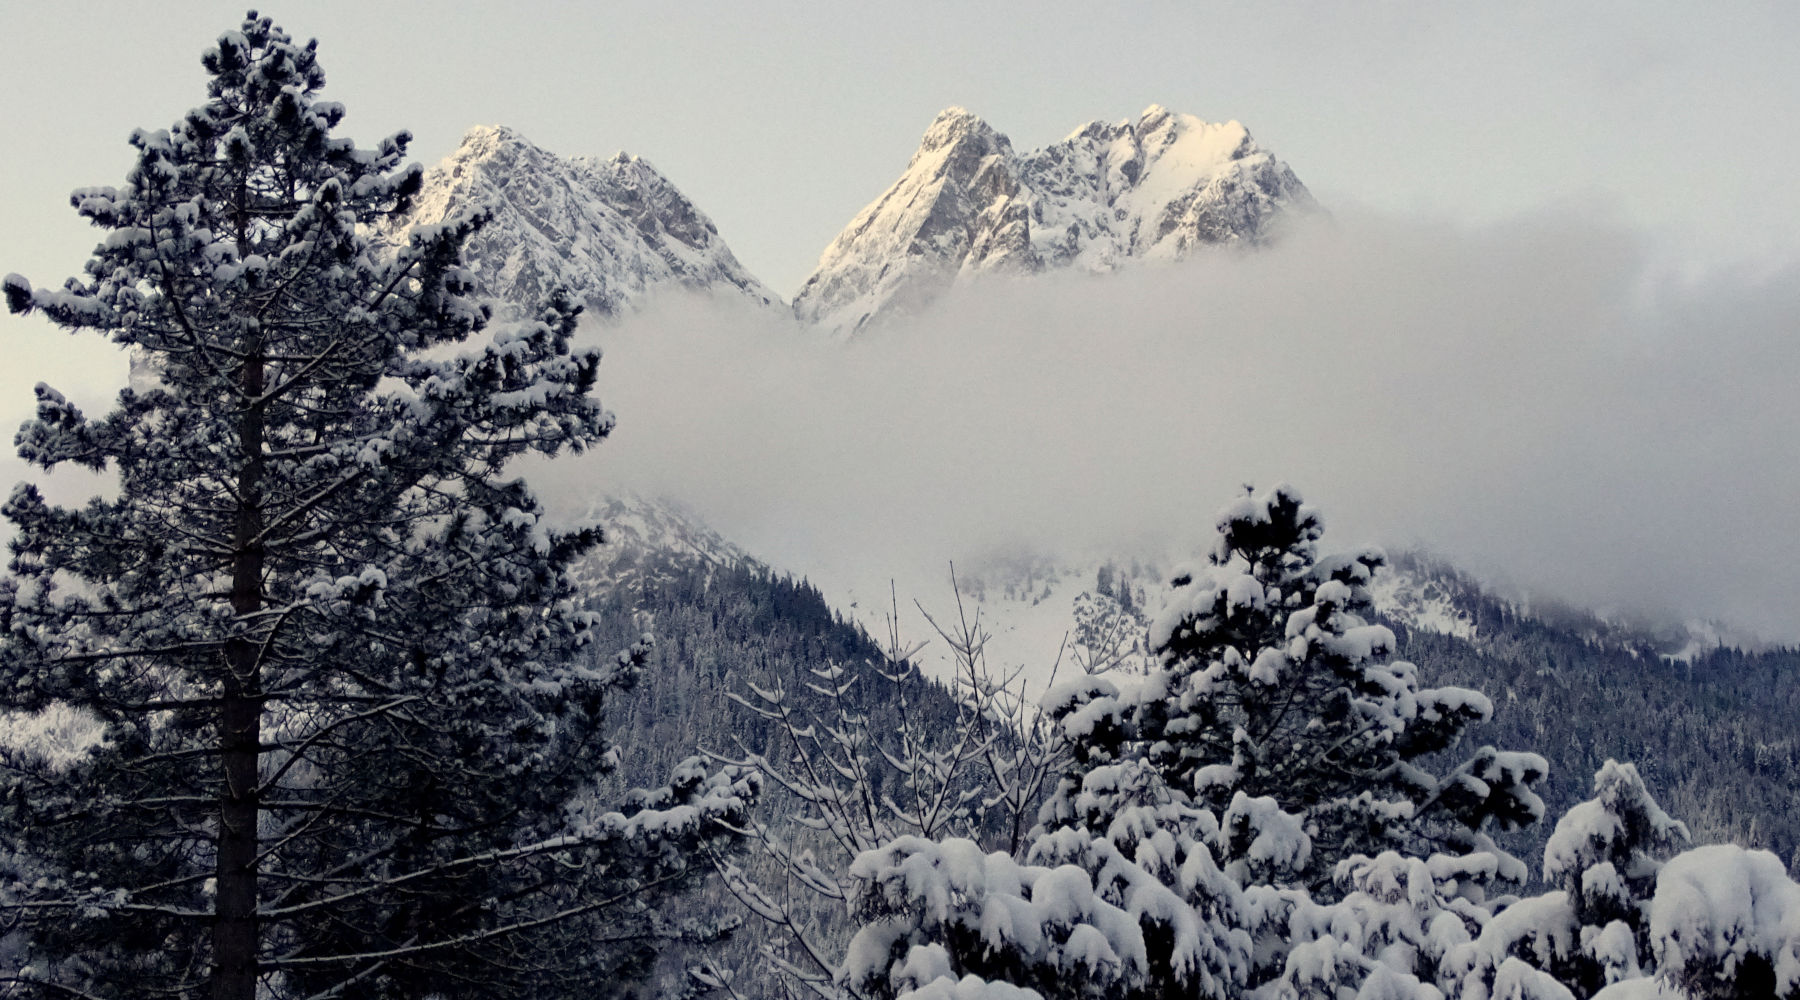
pixel 782 119
pixel 1514 180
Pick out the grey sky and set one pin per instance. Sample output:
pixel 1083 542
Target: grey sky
pixel 782 119
pixel 1524 175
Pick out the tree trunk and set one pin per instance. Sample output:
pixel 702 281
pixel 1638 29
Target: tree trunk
pixel 235 933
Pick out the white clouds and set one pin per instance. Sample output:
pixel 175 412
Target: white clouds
pixel 1524 399
pixel 1529 400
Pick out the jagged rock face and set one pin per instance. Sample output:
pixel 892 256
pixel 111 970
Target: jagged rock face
pixel 954 203
pixel 1154 188
pixel 610 229
pixel 645 537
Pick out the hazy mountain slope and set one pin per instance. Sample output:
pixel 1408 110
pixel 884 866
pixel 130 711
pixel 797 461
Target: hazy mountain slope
pixel 1716 732
pixel 614 230
pixel 1153 188
pixel 1713 730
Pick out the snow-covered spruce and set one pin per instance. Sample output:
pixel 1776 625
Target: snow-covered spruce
pixel 1153 188
pixel 1388 934
pixel 1144 878
pixel 1229 873
pixel 1088 921
pixel 1725 923
pixel 350 713
pixel 1714 922
pixel 1276 705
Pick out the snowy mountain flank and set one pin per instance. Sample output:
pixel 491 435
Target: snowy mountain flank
pixel 1106 197
pixel 612 229
pixel 648 538
pixel 1042 614
pixel 1109 194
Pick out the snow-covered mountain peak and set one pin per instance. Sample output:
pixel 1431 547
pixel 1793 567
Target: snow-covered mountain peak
pixel 1188 148
pixel 1156 187
pixel 483 140
pixel 955 125
pixel 612 229
pixel 952 207
pixel 646 538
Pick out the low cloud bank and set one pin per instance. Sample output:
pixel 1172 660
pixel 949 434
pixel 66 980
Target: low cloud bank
pixel 1533 401
pixel 1529 400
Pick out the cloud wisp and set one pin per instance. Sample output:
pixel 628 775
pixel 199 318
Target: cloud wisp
pixel 1525 399
pixel 1530 400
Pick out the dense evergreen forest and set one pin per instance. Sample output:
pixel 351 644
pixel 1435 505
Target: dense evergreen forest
pixel 1717 738
pixel 1714 739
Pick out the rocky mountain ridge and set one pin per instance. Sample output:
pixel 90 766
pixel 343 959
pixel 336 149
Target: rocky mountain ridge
pixel 1107 196
pixel 1157 187
pixel 612 229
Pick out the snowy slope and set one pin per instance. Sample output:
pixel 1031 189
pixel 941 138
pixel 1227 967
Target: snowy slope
pixel 616 231
pixel 1153 188
pixel 612 229
pixel 1044 615
pixel 647 538
pixel 1423 597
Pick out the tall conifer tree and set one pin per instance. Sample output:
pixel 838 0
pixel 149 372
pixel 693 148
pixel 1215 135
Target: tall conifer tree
pixel 349 722
pixel 1277 706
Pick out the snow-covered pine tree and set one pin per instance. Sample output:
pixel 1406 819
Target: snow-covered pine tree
pixel 1592 928
pixel 1274 685
pixel 1142 915
pixel 349 717
pixel 1724 925
pixel 1118 896
pixel 1604 857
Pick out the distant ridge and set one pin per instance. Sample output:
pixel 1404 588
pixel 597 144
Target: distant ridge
pixel 612 229
pixel 1153 188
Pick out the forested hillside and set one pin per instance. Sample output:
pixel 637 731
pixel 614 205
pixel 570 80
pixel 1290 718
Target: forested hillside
pixel 724 631
pixel 1717 738
pixel 1713 739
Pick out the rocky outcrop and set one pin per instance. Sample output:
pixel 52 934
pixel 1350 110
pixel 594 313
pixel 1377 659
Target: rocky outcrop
pixel 1153 188
pixel 613 230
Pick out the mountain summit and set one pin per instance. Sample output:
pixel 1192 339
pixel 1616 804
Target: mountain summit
pixel 612 230
pixel 1152 188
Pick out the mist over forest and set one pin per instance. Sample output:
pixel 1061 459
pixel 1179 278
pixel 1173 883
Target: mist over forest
pixel 1539 401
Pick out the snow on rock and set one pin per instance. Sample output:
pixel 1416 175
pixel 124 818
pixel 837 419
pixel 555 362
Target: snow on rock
pixel 611 230
pixel 1409 593
pixel 646 539
pixel 1153 188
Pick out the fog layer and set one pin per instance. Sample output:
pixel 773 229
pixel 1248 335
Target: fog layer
pixel 1532 401
pixel 1536 402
